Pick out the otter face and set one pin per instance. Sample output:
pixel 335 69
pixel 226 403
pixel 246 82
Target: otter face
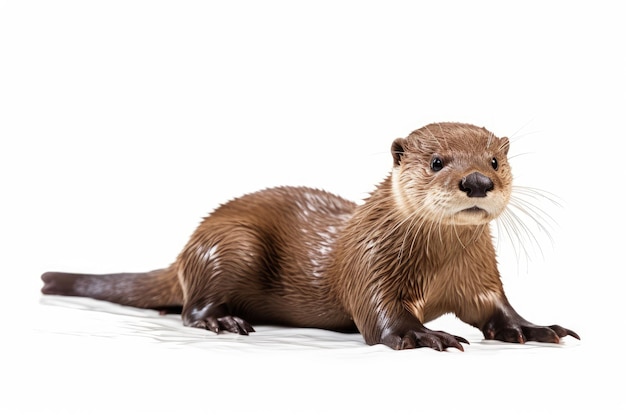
pixel 452 174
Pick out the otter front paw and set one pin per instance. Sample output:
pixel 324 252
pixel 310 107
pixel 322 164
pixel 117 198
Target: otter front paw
pixel 423 337
pixel 508 326
pixel 216 319
pixel 522 333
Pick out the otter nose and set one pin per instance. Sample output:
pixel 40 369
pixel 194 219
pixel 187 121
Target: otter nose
pixel 476 185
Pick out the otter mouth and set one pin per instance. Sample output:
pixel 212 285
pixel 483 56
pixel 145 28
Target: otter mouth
pixel 474 210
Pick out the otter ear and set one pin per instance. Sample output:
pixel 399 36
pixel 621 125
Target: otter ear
pixel 504 144
pixel 397 151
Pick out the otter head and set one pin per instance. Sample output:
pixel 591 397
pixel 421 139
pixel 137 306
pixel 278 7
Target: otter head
pixel 451 174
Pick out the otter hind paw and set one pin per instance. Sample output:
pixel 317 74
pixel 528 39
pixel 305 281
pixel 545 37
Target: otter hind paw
pixel 232 324
pixel 216 319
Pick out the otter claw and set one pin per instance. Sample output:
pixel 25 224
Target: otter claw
pixel 508 326
pixel 216 319
pixel 562 331
pixel 461 340
pixel 230 324
pixel 212 324
pixel 235 325
pixel 436 340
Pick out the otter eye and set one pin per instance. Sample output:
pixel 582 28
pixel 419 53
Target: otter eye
pixel 494 163
pixel 436 164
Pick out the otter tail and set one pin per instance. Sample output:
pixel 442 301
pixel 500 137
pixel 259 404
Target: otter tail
pixel 159 290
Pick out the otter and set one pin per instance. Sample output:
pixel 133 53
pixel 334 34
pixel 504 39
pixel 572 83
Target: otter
pixel 418 247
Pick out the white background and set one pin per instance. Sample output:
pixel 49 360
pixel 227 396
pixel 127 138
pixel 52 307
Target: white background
pixel 123 123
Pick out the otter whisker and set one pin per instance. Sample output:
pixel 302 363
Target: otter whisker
pixel 507 223
pixel 518 155
pixel 535 213
pixel 533 210
pixel 523 233
pixel 536 193
pixel 458 237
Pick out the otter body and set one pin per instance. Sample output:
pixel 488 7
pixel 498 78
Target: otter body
pixel 419 247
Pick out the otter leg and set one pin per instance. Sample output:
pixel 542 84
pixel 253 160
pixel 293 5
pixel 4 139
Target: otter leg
pixel 217 269
pixel 507 325
pixel 206 305
pixel 407 332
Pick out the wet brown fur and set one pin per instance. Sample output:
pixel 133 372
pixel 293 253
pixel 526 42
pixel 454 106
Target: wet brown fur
pixel 420 246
